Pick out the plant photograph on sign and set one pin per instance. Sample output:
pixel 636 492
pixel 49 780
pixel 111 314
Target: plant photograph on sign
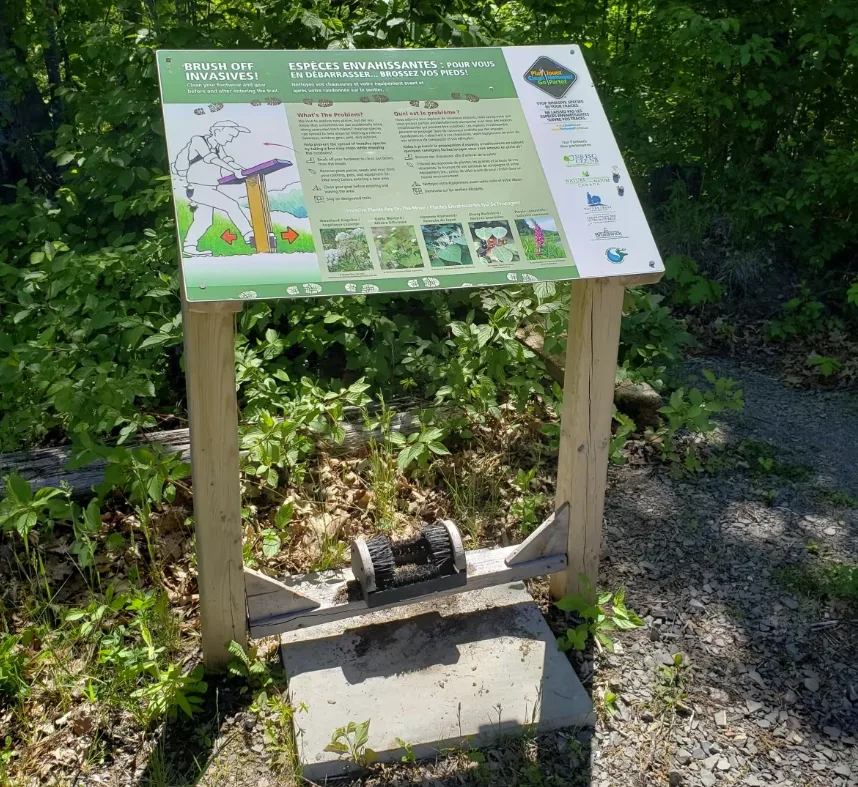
pixel 493 241
pixel 540 239
pixel 346 250
pixel 447 245
pixel 397 247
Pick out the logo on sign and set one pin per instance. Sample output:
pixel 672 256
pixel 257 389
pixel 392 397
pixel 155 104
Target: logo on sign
pixel 551 77
pixel 582 158
pixel 616 255
pixel 594 200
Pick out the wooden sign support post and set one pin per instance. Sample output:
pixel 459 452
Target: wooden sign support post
pixel 209 330
pixel 592 342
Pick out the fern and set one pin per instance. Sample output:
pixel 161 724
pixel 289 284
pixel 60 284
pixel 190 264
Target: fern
pixel 247 665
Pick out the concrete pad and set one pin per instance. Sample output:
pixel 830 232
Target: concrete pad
pixel 461 670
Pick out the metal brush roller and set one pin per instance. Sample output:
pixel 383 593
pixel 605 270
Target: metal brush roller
pixel 390 571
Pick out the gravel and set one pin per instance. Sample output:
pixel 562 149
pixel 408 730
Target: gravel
pixel 772 689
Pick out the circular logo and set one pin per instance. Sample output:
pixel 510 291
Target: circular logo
pixel 616 255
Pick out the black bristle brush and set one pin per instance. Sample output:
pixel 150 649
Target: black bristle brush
pixel 411 550
pixel 383 562
pixel 438 542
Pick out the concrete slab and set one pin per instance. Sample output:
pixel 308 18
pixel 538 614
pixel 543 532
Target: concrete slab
pixel 465 669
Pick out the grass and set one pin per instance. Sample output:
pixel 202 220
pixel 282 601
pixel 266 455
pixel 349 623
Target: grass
pixel 475 493
pixel 213 242
pixel 821 579
pixel 762 460
pixel 835 497
pixel 382 474
pixel 333 553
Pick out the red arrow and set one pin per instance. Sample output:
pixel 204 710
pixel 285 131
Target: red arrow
pixel 228 236
pixel 289 235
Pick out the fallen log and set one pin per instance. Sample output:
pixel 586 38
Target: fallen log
pixel 639 400
pixel 45 467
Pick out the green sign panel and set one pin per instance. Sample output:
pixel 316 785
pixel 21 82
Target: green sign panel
pixel 307 173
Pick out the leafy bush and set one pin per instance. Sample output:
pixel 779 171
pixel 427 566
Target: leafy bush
pixel 802 316
pixel 608 613
pixel 690 287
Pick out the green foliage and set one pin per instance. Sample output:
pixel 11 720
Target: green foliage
pixel 821 579
pixel 670 691
pixel 172 691
pixel 825 365
pixel 247 665
pixel 652 339
pixel 852 294
pixel 409 751
pixel 803 316
pixel 351 741
pixel 609 702
pixel 755 160
pixel 87 339
pixel 525 508
pixel 382 469
pixel 16 663
pixel 280 444
pixel 693 409
pixel 837 497
pixel 607 614
pixel 278 735
pixel 690 287
pixel 625 426
pixel 764 459
pixel 418 448
pixel 272 537
pixel 135 640
pixel 24 512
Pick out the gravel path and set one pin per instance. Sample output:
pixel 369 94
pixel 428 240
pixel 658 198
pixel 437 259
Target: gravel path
pixel 819 427
pixel 772 676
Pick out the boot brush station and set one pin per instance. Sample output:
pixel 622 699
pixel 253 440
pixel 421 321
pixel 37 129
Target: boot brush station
pixel 435 645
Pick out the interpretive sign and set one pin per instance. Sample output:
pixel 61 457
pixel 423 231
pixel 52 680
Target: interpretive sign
pixel 343 172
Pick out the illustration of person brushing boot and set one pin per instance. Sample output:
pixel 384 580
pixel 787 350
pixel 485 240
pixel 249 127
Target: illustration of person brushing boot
pixel 199 165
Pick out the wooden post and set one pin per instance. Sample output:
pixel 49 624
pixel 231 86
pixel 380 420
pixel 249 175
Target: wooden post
pixel 260 214
pixel 209 330
pixel 592 342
